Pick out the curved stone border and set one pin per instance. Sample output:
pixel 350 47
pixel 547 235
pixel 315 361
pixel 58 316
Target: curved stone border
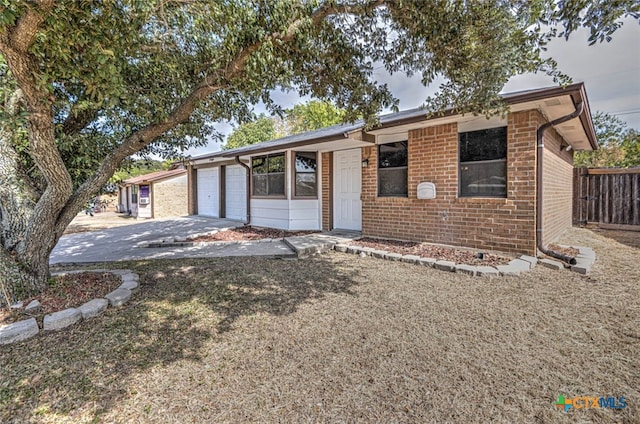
pixel 524 263
pixel 28 328
pixel 515 266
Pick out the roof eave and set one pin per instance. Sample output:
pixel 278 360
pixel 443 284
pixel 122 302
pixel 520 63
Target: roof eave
pixel 576 91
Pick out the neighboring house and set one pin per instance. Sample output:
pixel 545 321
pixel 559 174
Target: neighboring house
pixel 161 194
pixel 454 179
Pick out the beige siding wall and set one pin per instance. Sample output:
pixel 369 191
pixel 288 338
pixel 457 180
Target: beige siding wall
pixel 558 187
pixel 170 198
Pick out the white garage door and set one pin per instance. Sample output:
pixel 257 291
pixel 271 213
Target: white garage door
pixel 208 192
pixel 236 192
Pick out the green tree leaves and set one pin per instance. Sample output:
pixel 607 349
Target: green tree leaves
pixel 312 115
pixel 262 129
pixel 302 117
pixel 619 145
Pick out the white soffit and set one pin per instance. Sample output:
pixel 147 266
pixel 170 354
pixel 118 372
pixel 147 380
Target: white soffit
pixel 474 123
pixel 557 107
pixel 197 162
pixel 467 122
pixel 330 146
pixel 392 137
pixel 404 129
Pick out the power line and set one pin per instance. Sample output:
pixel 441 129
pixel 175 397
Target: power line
pixel 626 112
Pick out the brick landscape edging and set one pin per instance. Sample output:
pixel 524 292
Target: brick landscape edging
pixel 28 328
pixel 524 263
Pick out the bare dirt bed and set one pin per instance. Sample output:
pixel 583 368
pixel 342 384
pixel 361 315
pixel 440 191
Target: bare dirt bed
pixel 249 233
pixel 339 338
pixel 65 291
pixel 459 256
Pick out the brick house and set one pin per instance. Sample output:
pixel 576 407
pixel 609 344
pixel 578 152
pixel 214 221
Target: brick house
pixel 161 194
pixel 454 179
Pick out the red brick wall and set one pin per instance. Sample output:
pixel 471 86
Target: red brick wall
pixel 499 224
pixel 557 187
pixel 325 173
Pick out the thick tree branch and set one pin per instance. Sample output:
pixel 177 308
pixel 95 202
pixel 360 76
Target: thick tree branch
pixel 15 42
pixel 77 121
pixel 23 34
pixel 181 114
pixel 14 45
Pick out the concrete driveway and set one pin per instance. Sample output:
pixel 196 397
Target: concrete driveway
pixel 121 243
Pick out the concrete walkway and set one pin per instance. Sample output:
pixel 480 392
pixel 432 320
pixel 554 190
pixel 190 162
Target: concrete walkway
pixel 125 243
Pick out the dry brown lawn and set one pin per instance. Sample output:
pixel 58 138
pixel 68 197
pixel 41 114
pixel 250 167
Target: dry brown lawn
pixel 338 338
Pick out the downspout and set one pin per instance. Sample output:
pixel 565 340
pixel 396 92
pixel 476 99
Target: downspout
pixel 539 186
pixel 248 185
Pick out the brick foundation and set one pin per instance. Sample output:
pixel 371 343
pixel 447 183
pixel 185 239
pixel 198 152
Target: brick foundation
pixel 327 190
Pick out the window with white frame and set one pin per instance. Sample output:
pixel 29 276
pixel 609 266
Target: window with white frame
pixel 268 175
pixel 305 174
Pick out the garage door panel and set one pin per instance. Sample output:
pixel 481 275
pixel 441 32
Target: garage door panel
pixel 208 191
pixel 236 192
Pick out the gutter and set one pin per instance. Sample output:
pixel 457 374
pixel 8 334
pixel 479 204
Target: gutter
pixel 248 185
pixel 539 186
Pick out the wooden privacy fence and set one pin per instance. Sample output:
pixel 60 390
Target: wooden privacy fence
pixel 608 197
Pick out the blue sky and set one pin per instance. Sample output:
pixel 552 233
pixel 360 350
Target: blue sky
pixel 610 71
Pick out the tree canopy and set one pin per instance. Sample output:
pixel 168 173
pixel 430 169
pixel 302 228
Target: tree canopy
pixel 312 115
pixel 300 118
pixel 619 145
pixel 87 84
pixel 262 129
pixel 136 167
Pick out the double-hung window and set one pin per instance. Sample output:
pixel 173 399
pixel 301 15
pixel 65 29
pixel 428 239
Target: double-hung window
pixel 268 174
pixel 392 169
pixel 305 168
pixel 483 163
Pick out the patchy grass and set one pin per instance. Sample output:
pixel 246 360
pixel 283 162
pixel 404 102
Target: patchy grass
pixel 341 338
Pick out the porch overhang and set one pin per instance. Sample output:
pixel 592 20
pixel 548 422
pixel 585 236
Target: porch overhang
pixel 348 140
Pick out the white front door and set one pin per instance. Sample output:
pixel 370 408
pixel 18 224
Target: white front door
pixel 235 192
pixel 208 192
pixel 347 206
